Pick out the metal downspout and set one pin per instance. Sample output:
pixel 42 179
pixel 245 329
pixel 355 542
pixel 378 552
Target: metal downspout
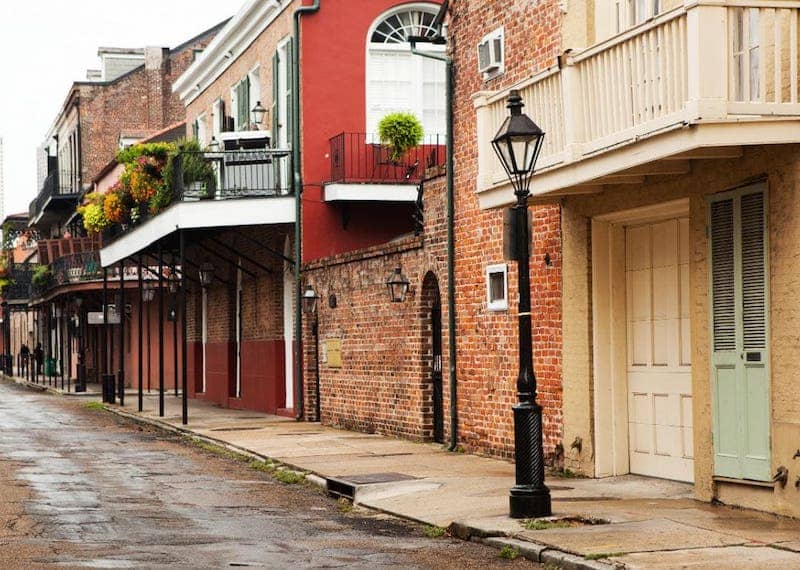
pixel 298 210
pixel 451 285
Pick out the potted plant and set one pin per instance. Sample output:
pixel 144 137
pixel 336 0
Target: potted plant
pixel 400 132
pixel 41 276
pixel 93 212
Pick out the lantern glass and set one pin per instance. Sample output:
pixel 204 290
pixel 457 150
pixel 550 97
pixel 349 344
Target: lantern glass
pixel 206 274
pixel 148 292
pixel 258 113
pixel 517 144
pixel 398 286
pixel 213 145
pixel 309 300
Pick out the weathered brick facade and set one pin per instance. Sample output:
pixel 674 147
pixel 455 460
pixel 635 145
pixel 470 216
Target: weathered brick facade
pixel 141 101
pixel 487 341
pixel 384 382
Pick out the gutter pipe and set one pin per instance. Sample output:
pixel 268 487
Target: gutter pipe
pixel 451 286
pixel 298 209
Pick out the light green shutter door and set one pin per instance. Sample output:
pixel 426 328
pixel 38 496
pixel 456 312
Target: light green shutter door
pixel 243 104
pixel 739 334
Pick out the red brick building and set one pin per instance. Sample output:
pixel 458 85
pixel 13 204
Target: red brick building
pixel 128 100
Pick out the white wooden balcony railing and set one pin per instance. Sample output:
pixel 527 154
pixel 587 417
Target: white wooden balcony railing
pixel 708 61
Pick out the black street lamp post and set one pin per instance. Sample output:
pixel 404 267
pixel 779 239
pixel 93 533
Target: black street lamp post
pixel 517 145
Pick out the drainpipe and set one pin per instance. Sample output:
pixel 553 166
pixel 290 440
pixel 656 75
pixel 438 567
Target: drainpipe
pixel 451 286
pixel 298 209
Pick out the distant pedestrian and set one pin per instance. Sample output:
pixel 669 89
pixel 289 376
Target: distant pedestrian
pixel 25 356
pixel 38 356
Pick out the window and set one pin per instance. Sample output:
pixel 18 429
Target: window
pixel 491 54
pixel 745 54
pixel 397 80
pixel 497 287
pixel 242 106
pixel 254 94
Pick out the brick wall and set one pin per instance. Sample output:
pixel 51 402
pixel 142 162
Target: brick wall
pixel 140 101
pixel 384 384
pixel 487 341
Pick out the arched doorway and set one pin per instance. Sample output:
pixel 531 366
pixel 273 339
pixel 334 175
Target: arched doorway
pixel 432 327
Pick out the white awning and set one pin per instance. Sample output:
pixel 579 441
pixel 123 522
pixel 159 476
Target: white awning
pixel 196 215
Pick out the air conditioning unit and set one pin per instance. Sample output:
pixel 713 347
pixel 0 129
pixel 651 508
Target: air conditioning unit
pixel 490 53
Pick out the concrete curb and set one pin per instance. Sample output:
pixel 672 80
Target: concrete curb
pixel 547 555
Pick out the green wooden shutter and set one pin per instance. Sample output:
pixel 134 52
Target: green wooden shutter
pixel 243 104
pixel 274 106
pixel 195 130
pixel 290 110
pixel 740 356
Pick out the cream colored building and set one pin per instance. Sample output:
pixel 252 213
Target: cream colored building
pixel 673 147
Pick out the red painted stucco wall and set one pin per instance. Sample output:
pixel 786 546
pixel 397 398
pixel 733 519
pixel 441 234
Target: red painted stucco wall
pixel 335 62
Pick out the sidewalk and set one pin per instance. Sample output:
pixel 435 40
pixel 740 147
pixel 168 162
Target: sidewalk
pixel 642 522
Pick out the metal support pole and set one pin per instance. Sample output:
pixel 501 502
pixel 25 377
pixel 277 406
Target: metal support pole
pixel 184 371
pixel 121 313
pixel 529 497
pixel 69 353
pixel 60 341
pixel 140 389
pixel 160 331
pixel 175 334
pixel 107 378
pixel 48 353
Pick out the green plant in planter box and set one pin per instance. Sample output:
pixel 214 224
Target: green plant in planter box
pixel 41 275
pixel 401 131
pixel 197 170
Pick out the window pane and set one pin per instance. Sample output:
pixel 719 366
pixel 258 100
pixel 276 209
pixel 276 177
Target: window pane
pixel 497 287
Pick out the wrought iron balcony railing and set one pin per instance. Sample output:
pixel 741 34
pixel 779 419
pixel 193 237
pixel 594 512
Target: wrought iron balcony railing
pixel 20 287
pixel 57 184
pixel 360 158
pixel 230 174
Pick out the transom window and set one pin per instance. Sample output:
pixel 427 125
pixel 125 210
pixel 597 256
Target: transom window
pixel 396 28
pixel 397 80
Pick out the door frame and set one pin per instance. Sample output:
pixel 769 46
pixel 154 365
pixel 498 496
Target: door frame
pixel 609 331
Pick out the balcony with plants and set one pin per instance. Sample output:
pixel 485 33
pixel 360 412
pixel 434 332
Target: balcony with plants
pixel 158 176
pixel 399 154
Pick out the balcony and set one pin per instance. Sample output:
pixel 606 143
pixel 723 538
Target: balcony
pixel 362 168
pixel 50 250
pixel 239 188
pixel 58 196
pixel 699 81
pixel 19 291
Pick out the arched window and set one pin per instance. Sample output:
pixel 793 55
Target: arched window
pixel 397 80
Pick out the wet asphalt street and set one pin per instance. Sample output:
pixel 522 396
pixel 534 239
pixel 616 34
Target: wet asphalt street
pixel 82 488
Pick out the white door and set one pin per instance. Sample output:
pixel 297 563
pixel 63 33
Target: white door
pixel 659 349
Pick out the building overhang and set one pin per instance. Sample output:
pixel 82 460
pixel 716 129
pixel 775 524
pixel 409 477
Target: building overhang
pixel 403 193
pixel 227 46
pixel 201 214
pixel 667 152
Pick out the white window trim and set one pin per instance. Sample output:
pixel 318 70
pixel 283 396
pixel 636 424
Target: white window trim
pixel 497 305
pixel 490 37
pixel 202 130
pixel 216 110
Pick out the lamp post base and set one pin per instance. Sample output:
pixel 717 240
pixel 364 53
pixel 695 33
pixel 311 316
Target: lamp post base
pixel 530 497
pixel 529 502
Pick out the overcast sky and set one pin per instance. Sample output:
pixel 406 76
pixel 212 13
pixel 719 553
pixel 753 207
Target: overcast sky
pixel 45 45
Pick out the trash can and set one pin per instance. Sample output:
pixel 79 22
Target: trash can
pixel 50 367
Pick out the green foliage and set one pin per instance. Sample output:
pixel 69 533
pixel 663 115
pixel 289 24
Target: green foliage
pixel 194 166
pixel 93 212
pixel 401 131
pixel 509 552
pixel 538 524
pixel 158 150
pixel 344 505
pixel 94 406
pixel 289 477
pixel 41 275
pixel 5 282
pixel 432 531
pixel 264 466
